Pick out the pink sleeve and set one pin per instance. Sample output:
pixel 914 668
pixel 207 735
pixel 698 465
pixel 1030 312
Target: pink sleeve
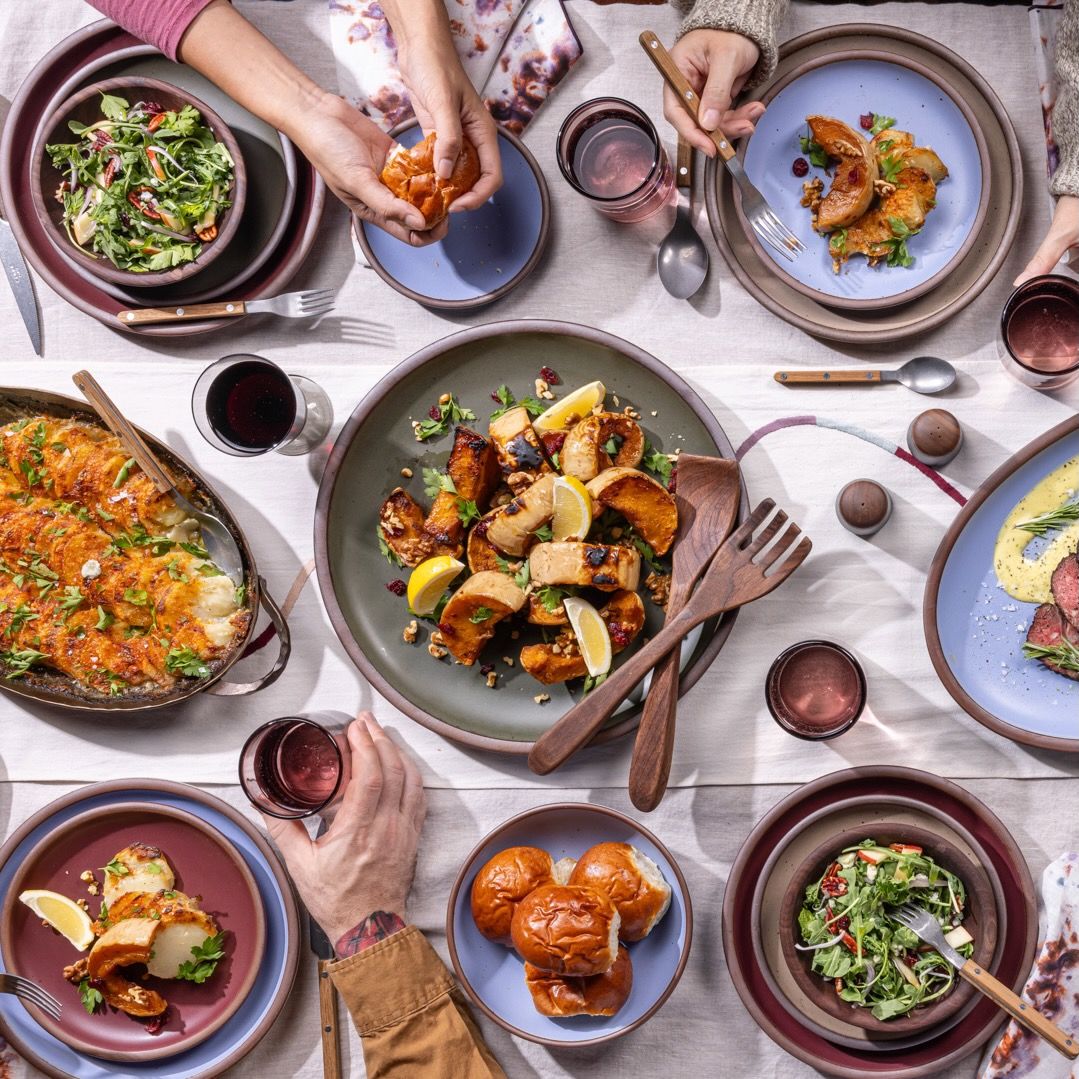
pixel 162 23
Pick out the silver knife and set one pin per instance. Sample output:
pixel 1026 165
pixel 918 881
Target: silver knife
pixel 22 285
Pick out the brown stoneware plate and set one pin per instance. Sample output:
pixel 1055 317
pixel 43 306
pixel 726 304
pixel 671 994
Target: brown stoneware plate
pixel 980 921
pixel 85 107
pixel 941 798
pixel 205 865
pixel 378 441
pixel 974 630
pixel 862 813
pixel 966 276
pixel 493 976
pixel 215 851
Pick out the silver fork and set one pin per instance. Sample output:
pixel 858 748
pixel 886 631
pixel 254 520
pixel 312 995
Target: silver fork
pixel 306 304
pixel 31 993
pixel 926 927
pixel 761 216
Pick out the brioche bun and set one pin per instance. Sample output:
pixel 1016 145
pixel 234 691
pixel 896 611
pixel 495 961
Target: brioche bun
pixel 410 175
pixel 632 881
pixel 600 994
pixel 566 930
pixel 562 869
pixel 502 883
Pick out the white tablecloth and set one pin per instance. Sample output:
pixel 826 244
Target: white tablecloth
pixel 730 755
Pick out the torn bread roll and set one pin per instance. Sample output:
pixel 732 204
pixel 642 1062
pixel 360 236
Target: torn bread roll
pixel 410 174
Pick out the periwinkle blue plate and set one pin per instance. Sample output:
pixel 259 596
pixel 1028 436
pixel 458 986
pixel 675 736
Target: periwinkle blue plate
pixel 493 976
pixel 975 630
pixel 846 86
pixel 486 253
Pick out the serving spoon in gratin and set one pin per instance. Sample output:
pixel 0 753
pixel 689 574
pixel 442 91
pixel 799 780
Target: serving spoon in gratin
pixel 222 548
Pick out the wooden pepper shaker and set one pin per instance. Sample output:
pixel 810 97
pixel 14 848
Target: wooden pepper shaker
pixel 863 507
pixel 935 437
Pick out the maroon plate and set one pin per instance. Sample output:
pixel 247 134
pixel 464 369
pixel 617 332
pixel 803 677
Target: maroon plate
pixel 89 45
pixel 926 1058
pixel 205 864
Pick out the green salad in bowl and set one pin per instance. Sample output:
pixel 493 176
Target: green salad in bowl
pixel 144 186
pixel 872 960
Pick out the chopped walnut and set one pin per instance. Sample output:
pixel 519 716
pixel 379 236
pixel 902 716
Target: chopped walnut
pixel 86 876
pixel 435 650
pixel 659 587
pixel 812 192
pixel 617 403
pixel 93 888
pixel 508 660
pixel 557 649
pixel 501 497
pixel 616 532
pixel 492 679
pixel 543 390
pixel 411 632
pixel 883 188
pixel 631 412
pixel 541 698
pixel 80 902
pixel 407 473
pixel 444 399
pixel 437 638
pixel 655 412
pixel 519 479
pixel 77 971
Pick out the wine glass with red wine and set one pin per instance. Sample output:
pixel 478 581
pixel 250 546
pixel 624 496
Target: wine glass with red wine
pixel 246 405
pixel 1039 332
pixel 609 151
pixel 295 767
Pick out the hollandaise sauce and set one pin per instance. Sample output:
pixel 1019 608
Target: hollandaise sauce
pixel 1025 571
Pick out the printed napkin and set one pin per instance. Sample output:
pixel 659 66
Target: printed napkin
pixel 514 51
pixel 1045 19
pixel 1053 986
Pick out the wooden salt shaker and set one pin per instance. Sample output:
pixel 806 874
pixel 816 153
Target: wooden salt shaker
pixel 863 507
pixel 935 437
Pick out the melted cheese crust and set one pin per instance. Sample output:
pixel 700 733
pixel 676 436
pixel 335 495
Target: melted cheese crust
pixel 93 580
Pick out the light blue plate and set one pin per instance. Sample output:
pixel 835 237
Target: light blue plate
pixel 486 253
pixel 494 975
pixel 846 89
pixel 980 627
pixel 208 1057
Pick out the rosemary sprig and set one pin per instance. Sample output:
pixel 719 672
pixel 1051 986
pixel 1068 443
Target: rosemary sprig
pixel 1064 655
pixel 1061 517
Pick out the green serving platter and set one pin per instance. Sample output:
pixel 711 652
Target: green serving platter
pixel 365 465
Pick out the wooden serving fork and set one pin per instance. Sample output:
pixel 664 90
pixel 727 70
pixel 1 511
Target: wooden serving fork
pixel 733 578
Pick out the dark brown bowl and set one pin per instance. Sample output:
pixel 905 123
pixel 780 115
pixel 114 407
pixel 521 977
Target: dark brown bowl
pixel 981 923
pixel 84 106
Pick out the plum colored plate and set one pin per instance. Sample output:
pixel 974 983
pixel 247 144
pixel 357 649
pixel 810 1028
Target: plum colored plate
pixel 754 988
pixel 96 46
pixel 493 976
pixel 969 275
pixel 205 865
pixel 922 104
pixel 486 253
pixel 274 975
pixel 377 441
pixel 975 631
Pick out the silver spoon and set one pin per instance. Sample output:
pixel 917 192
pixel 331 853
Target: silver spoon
pixel 682 259
pixel 220 544
pixel 923 374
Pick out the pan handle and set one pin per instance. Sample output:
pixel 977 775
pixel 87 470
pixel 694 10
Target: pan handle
pixel 240 689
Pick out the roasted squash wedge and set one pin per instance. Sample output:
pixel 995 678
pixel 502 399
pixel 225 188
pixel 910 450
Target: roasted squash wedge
pixel 643 501
pixel 473 612
pixel 856 172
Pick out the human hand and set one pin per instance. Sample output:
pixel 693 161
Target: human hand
pixel 717 64
pixel 1062 236
pixel 364 862
pixel 349 151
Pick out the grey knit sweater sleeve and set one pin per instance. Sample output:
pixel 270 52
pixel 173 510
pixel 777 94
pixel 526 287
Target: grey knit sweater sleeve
pixel 756 19
pixel 1066 111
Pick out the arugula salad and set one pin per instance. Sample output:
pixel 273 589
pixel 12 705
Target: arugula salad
pixel 144 186
pixel 874 961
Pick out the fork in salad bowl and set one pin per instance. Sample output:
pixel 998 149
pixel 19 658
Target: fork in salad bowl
pixel 926 927
pixel 31 993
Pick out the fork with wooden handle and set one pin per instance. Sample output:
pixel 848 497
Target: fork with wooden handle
pixel 708 494
pixel 733 578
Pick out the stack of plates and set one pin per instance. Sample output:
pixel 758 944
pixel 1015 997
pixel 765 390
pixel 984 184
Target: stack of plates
pixel 786 835
pixel 847 71
pixel 281 216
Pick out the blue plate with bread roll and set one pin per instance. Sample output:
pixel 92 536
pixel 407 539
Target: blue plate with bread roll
pixel 486 253
pixel 569 925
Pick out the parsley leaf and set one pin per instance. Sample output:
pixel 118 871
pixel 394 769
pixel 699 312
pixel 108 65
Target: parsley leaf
pixel 206 956
pixel 104 619
pixel 544 534
pixel 891 166
pixel 837 242
pixel 450 413
pixel 658 463
pixel 480 614
pixel 521 575
pixel 506 401
pixel 125 469
pixel 467 511
pixel 386 550
pixel 18 663
pixel 116 868
pixel 185 661
pixel 881 123
pixel 91 998
pixel 435 481
pixel 815 151
pixel 551 597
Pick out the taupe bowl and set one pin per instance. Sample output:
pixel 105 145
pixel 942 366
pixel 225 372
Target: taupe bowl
pixel 84 106
pixel 980 922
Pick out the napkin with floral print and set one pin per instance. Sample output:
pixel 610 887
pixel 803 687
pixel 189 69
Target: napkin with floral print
pixel 1053 986
pixel 514 51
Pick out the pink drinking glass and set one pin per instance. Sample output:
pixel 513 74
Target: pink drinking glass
pixel 609 151
pixel 815 690
pixel 1039 332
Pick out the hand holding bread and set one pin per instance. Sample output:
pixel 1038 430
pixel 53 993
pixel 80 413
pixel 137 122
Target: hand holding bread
pixel 411 176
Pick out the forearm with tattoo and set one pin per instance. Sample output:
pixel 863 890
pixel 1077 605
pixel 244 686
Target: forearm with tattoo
pixel 375 927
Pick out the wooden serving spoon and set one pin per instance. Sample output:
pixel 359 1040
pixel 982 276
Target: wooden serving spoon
pixel 707 496
pixel 731 580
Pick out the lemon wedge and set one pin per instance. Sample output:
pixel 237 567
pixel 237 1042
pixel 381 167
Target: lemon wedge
pixel 591 633
pixel 571 408
pixel 63 914
pixel 428 582
pixel 572 509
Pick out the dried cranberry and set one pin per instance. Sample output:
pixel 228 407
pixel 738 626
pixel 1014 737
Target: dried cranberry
pixel 152 108
pixel 549 376
pixel 96 983
pixel 800 167
pixel 125 219
pixel 487 668
pixel 494 397
pixel 866 120
pixel 618 633
pixel 481 528
pixel 842 925
pixel 435 412
pixel 673 485
pixel 855 176
pixel 157 1023
pixel 553 441
pixel 397 587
